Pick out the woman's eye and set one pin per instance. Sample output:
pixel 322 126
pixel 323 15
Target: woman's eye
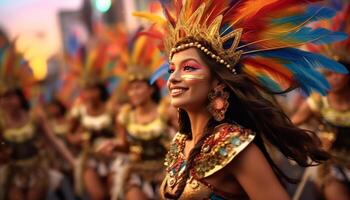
pixel 189 68
pixel 170 71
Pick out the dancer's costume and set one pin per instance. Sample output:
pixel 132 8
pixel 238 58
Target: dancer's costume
pixel 26 166
pixel 256 38
pixel 148 141
pixel 97 65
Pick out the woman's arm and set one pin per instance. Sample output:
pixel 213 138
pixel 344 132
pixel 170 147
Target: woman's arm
pixel 119 143
pixel 255 175
pixel 57 144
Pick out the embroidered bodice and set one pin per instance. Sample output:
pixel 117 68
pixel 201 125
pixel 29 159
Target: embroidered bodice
pixel 96 126
pixel 218 150
pixel 21 140
pixel 59 129
pixel 320 105
pixel 146 139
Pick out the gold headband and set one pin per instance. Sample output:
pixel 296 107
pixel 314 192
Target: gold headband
pixel 205 50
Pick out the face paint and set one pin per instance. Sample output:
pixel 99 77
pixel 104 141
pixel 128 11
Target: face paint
pixel 189 77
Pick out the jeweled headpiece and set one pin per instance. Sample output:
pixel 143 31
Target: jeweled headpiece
pixel 259 36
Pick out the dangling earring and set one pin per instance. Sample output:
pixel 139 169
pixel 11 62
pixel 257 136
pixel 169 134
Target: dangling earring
pixel 218 103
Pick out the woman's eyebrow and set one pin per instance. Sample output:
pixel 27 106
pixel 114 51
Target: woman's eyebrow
pixel 183 61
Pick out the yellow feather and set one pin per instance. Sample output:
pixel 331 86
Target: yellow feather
pixel 138 47
pixel 150 17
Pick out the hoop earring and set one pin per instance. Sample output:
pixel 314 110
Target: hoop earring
pixel 218 103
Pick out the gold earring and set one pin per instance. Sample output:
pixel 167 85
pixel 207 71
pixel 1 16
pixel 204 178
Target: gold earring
pixel 218 103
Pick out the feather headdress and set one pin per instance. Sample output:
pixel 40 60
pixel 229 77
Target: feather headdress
pixel 338 51
pixel 100 62
pixel 144 56
pixel 14 70
pixel 256 37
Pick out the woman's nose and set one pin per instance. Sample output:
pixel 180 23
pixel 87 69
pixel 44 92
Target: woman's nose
pixel 174 77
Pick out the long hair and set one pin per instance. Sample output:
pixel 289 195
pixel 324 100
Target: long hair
pixel 253 107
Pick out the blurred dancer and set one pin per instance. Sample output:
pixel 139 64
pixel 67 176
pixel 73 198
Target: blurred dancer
pixel 145 122
pixel 23 134
pixel 93 122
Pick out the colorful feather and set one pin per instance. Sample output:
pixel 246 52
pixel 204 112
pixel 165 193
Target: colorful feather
pixel 271 29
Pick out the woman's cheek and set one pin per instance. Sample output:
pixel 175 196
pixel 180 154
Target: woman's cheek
pixel 192 77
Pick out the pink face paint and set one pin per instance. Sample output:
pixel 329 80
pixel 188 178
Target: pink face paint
pixel 193 64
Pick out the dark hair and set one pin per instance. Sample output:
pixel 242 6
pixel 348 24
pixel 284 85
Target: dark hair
pixel 104 95
pixel 252 107
pixel 20 94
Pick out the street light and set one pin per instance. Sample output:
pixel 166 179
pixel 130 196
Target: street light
pixel 103 5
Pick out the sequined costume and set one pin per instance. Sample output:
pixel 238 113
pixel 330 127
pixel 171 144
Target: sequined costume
pixel 218 151
pixel 148 146
pixel 26 165
pixel 95 129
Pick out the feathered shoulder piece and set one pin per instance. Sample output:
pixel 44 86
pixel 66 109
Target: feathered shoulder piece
pixel 255 37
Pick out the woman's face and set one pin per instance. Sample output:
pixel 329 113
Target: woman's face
pixel 139 92
pixel 338 81
pixel 92 95
pixel 190 80
pixel 10 102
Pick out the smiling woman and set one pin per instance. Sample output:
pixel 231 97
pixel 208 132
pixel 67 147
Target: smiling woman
pixel 190 93
pixel 223 71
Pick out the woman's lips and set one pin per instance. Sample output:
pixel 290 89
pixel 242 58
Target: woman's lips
pixel 177 91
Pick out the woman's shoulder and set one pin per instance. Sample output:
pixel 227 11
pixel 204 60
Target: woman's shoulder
pixel 220 148
pixel 123 114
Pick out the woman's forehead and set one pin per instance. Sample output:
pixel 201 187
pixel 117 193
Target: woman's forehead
pixel 185 55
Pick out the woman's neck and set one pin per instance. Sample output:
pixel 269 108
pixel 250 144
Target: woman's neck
pixel 95 108
pixel 16 116
pixel 145 108
pixel 199 120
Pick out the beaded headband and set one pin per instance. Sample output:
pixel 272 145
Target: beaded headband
pixel 205 50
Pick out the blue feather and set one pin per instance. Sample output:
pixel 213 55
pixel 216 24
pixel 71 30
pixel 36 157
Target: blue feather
pixel 305 58
pixel 309 79
pixel 313 13
pixel 269 83
pixel 303 66
pixel 161 71
pixel 316 36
